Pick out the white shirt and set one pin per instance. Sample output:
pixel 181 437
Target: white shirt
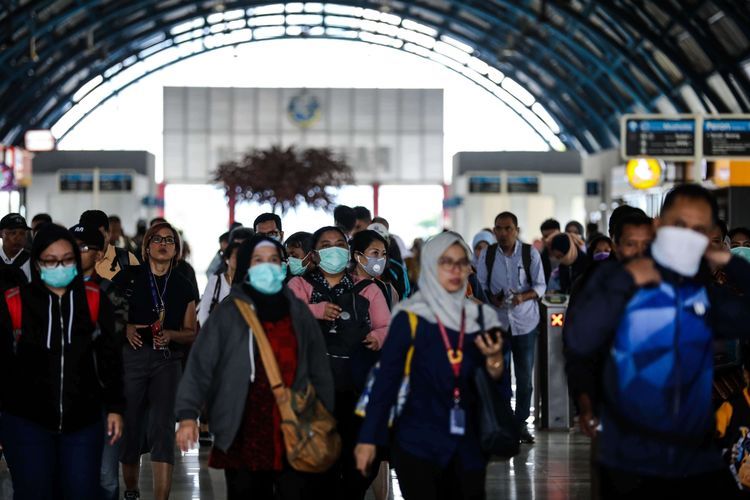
pixel 26 267
pixel 208 294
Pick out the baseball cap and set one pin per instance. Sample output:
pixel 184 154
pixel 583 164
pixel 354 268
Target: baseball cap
pixel 89 235
pixel 13 221
pixel 380 229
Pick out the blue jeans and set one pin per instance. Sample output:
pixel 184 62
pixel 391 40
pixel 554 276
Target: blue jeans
pixel 45 465
pixel 523 349
pixel 110 471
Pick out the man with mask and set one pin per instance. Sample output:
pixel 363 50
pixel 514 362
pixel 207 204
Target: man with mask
pixel 269 225
pixel 652 320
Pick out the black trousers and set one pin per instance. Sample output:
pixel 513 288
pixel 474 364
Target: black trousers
pixel 421 479
pixel 288 484
pixel 619 485
pixel 343 481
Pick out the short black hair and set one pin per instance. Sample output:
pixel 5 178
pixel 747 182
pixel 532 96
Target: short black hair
pixel 320 232
pixel 241 232
pixel 632 219
pixel 343 216
pixel 508 215
pixel 224 237
pixel 549 224
pixel 739 230
pixel 95 218
pixel 381 220
pixel 620 213
pixel 692 192
pixel 265 218
pixel 300 239
pixel 114 218
pixel 157 220
pixel 576 224
pixel 362 213
pixel 45 218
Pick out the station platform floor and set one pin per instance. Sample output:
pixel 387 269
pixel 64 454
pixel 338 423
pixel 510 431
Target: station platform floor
pixel 555 468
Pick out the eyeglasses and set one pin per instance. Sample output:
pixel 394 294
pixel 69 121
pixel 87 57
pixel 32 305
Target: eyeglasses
pixel 167 240
pixel 52 263
pixel 271 234
pixel 448 264
pixel 87 249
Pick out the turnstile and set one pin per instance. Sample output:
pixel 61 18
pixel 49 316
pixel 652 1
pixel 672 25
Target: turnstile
pixel 553 397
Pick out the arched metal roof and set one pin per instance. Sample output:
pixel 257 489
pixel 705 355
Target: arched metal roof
pixel 570 68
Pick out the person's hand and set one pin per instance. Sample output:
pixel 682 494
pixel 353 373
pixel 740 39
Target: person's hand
pixel 371 342
pixel 489 345
pixel 717 258
pixel 586 418
pixel 114 427
pixel 187 434
pixel 332 312
pixel 163 339
pixel 498 300
pixel 364 456
pixel 134 338
pixel 643 271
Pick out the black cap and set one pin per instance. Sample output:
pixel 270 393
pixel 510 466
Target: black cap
pixel 13 221
pixel 89 235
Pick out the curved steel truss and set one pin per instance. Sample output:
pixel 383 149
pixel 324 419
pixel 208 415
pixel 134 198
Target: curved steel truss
pixel 569 68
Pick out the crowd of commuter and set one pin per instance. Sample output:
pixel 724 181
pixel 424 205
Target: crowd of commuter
pixel 313 364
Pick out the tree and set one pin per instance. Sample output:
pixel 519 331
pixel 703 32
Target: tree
pixel 284 177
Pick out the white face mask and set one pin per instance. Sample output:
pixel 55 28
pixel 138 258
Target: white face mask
pixel 679 249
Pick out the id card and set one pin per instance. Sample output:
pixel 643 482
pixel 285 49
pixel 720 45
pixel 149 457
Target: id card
pixel 458 421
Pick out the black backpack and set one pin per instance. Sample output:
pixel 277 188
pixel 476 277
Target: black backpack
pixel 489 262
pixel 350 359
pixel 122 258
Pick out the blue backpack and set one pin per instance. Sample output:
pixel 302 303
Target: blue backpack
pixel 658 375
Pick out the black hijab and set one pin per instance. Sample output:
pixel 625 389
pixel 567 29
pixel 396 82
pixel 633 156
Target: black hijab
pixel 269 307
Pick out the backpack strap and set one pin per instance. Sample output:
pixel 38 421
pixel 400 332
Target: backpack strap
pixel 15 310
pixel 413 321
pixel 526 261
pixel 22 258
pixel 92 297
pixel 215 296
pixel 489 264
pixel 362 284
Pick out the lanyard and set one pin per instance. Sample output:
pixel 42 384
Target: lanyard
pixel 455 356
pixel 156 296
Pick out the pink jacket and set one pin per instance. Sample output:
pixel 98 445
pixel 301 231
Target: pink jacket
pixel 380 315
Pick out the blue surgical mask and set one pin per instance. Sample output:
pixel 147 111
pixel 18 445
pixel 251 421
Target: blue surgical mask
pixel 333 260
pixel 296 267
pixel 267 278
pixel 58 276
pixel 743 252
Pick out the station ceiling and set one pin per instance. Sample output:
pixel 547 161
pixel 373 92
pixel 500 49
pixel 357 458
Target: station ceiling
pixel 570 68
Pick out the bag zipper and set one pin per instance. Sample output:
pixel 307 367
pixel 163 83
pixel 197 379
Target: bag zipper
pixel 62 361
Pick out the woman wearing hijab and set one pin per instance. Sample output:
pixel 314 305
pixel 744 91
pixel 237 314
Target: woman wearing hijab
pixel 354 319
pixel 568 249
pixel 437 451
pixel 226 372
pixel 59 367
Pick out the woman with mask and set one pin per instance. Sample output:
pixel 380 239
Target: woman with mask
pixel 161 323
pixel 218 285
pixel 369 254
pixel 437 451
pixel 59 366
pixel 299 249
pixel 354 319
pixel 225 370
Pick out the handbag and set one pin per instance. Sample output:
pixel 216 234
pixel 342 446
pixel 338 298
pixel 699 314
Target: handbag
pixel 499 433
pixel 308 429
pixel 403 390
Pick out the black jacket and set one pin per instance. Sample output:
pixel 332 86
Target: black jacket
pixel 63 370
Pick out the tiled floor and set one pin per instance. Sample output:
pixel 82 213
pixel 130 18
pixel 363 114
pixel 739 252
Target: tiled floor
pixel 555 468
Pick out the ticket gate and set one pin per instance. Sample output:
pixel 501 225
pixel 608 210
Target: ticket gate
pixel 553 398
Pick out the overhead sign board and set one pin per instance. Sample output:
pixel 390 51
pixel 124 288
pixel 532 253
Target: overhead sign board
pixel 659 136
pixel 726 137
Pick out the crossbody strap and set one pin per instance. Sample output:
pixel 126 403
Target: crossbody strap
pixel 413 320
pixel 266 353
